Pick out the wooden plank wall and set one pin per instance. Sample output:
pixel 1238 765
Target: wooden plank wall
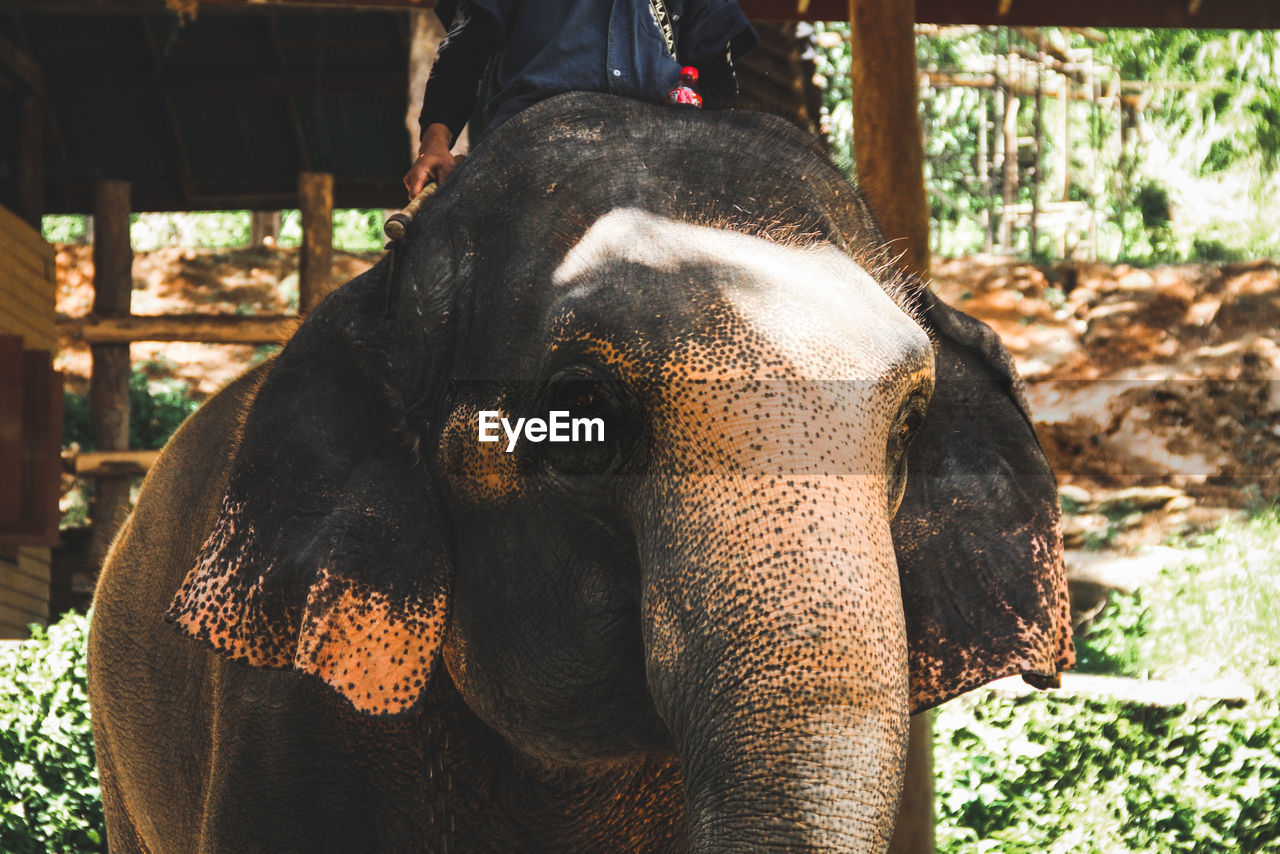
pixel 24 589
pixel 27 309
pixel 27 289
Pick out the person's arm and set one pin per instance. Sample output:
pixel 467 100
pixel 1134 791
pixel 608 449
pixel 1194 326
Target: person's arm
pixel 451 94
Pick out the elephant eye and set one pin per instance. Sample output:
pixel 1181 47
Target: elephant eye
pixel 905 427
pixel 597 423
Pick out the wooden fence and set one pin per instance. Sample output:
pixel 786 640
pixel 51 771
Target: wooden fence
pixel 111 327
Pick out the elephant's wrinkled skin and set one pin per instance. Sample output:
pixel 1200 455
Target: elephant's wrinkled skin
pixel 694 635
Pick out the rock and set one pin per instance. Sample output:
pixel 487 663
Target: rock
pixel 1142 498
pixel 1077 528
pixel 1135 280
pixel 1077 495
pixel 1124 573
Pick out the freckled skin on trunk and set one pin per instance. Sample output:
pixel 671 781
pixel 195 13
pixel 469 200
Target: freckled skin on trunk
pixel 767 554
pixel 789 723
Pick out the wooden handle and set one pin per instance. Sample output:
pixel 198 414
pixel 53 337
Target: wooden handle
pixel 398 222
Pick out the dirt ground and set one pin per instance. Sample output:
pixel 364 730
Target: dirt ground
pixel 1154 390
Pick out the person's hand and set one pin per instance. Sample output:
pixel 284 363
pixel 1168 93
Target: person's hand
pixel 434 162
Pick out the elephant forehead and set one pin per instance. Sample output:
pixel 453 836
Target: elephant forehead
pixel 821 311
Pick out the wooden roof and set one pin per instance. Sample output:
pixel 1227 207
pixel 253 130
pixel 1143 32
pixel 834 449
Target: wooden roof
pixel 1204 14
pixel 218 112
pixel 222 110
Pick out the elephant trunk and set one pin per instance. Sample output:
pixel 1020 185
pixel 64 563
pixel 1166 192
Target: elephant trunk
pixel 776 653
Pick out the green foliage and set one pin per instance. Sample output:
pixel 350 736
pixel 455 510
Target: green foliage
pixel 832 61
pixel 1110 644
pixel 77 425
pixel 359 230
pixel 1214 616
pixel 1218 615
pixel 64 228
pixel 1207 139
pixel 1050 775
pixel 1060 774
pixel 207 229
pixel 156 409
pixel 353 230
pixel 49 796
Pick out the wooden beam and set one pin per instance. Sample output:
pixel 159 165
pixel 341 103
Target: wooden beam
pixel 20 65
pixel 204 328
pixel 1221 14
pixel 133 7
pixel 161 194
pixel 114 463
pixel 30 178
pixel 186 181
pixel 109 380
pixel 295 118
pixel 267 83
pixel 315 259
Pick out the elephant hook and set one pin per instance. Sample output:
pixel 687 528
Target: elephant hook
pixel 395 228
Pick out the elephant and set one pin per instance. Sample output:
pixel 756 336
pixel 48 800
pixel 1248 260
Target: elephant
pixel 338 620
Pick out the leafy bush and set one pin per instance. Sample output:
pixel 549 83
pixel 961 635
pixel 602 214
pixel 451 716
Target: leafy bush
pixel 1048 774
pixel 49 796
pixel 1216 615
pixel 156 409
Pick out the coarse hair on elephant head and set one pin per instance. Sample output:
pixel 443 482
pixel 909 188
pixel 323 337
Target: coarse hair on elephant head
pixel 818 504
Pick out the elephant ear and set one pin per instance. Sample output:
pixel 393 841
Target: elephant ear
pixel 978 535
pixel 329 554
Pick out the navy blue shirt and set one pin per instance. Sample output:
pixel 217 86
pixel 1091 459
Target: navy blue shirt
pixel 545 47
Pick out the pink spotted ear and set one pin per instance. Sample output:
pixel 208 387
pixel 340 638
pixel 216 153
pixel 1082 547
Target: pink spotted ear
pixel 329 555
pixel 978 534
pixel 376 651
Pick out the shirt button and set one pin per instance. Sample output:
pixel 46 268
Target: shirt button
pixel 617 72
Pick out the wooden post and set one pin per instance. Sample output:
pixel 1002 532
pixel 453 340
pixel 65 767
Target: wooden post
pixel 886 123
pixel 263 225
pixel 1064 153
pixel 1038 150
pixel 984 170
pixel 1010 165
pixel 890 155
pixel 315 261
pixel 109 381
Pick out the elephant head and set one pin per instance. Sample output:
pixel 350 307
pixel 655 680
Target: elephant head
pixel 817 505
